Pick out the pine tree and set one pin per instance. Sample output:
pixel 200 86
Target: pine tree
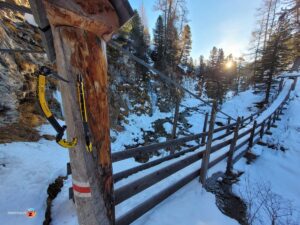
pixel 276 45
pixel 202 66
pixel 158 53
pixel 139 47
pixel 137 37
pixel 173 12
pixel 213 58
pixel 220 60
pixel 185 45
pixel 276 55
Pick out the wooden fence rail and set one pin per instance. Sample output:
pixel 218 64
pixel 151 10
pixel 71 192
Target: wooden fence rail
pixel 240 137
pixel 136 152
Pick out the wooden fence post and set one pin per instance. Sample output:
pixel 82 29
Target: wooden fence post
pixel 204 129
pixel 228 123
pixel 274 117
pixel 176 117
pixel 294 83
pixel 281 85
pixel 252 135
pixel 269 123
pixel 175 121
pixel 251 118
pixel 242 121
pixel 232 147
pixel 262 130
pixel 281 109
pixel 206 155
pixel 80 31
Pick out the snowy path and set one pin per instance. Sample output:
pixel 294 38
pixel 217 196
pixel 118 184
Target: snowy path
pixel 275 168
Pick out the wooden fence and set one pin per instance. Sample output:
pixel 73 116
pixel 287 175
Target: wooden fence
pixel 239 137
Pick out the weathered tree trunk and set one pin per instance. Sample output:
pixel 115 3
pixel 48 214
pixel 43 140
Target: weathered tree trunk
pixel 79 30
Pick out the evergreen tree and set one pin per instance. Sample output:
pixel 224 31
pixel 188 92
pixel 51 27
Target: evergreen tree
pixel 202 66
pixel 277 52
pixel 213 58
pixel 220 59
pixel 276 42
pixel 158 53
pixel 173 13
pixel 137 37
pixel 185 45
pixel 139 47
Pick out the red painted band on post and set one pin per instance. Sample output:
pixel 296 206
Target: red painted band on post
pixel 81 189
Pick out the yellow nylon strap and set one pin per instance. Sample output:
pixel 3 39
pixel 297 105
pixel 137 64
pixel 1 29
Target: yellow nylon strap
pixel 42 96
pixel 68 144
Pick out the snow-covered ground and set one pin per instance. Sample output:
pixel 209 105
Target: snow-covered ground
pixel 31 167
pixel 275 170
pixel 26 170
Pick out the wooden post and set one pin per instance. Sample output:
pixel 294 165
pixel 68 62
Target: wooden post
pixel 175 121
pixel 274 117
pixel 176 116
pixel 252 135
pixel 204 129
pixel 39 12
pixel 281 85
pixel 269 123
pixel 242 121
pixel 294 83
pixel 277 114
pixel 228 123
pixel 232 147
pixel 206 156
pixel 262 130
pixel 80 29
pixel 281 109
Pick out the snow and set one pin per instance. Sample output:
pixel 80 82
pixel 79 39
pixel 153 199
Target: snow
pixel 63 209
pixel 133 133
pixel 275 168
pixel 290 74
pixel 29 169
pixel 168 127
pixel 276 103
pixel 36 165
pixel 177 209
pixel 30 19
pixel 236 106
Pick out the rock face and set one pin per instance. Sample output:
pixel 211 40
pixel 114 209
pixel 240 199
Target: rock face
pixel 18 105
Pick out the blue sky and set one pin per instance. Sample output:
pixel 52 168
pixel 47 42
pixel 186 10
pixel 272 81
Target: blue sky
pixel 225 24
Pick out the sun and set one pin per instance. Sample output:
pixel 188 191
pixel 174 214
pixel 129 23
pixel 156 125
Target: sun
pixel 229 65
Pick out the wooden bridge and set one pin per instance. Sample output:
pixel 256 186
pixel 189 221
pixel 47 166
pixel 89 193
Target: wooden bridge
pixel 233 141
pixel 75 35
